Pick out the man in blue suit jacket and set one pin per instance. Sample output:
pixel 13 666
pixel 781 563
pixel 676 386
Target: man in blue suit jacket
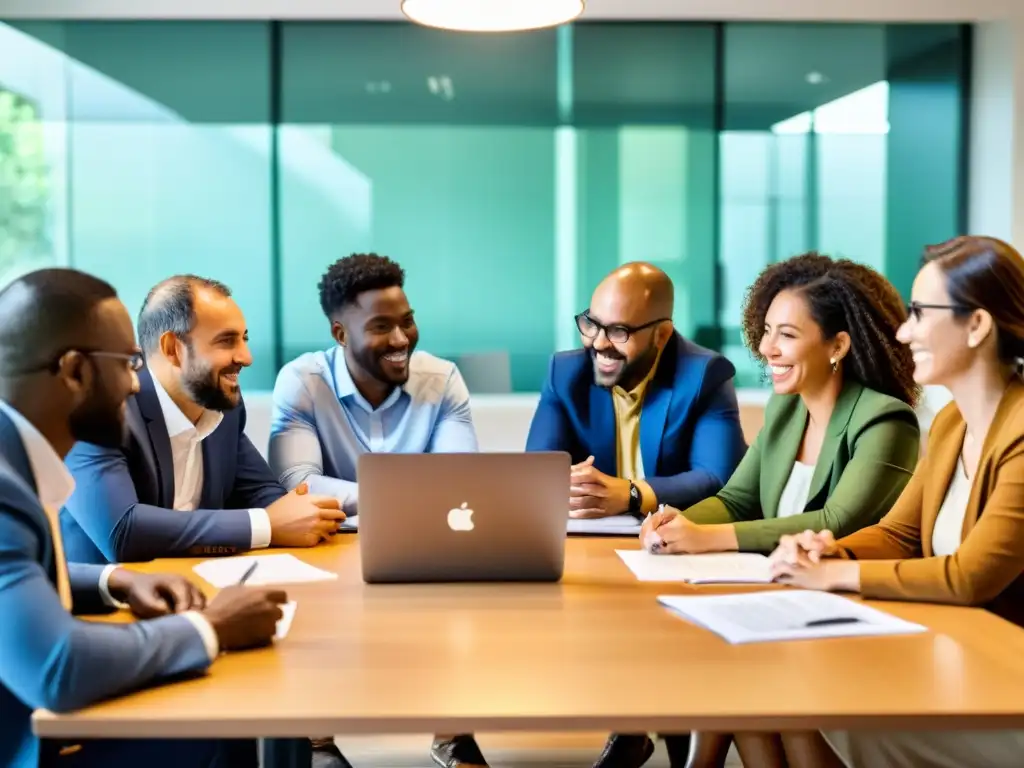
pixel 648 418
pixel 187 480
pixel 67 360
pixel 651 417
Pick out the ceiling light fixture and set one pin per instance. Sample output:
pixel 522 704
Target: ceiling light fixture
pixel 492 15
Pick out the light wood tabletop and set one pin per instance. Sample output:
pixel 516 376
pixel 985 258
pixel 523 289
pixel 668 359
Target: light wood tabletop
pixel 594 652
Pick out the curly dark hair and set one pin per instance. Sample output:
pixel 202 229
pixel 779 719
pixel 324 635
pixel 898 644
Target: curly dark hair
pixel 352 275
pixel 842 296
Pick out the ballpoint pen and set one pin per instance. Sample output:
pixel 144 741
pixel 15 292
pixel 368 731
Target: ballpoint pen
pixel 249 572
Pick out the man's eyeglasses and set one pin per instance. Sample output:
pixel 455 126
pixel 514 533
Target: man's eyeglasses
pixel 135 360
pixel 914 309
pixel 617 333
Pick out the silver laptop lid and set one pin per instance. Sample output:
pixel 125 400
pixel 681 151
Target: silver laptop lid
pixel 463 516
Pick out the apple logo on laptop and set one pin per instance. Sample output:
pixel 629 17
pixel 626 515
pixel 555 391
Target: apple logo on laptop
pixel 461 518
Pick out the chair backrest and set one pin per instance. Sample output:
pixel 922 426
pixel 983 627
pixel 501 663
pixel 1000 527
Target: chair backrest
pixel 486 373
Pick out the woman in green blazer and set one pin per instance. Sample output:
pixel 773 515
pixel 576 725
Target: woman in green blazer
pixel 840 438
pixel 839 442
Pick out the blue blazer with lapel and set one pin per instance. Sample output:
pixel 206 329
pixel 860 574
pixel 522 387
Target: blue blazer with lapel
pixel 122 507
pixel 49 659
pixel 690 435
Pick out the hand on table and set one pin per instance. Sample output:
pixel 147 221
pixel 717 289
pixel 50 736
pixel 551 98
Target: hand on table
pixel 667 532
pixel 245 617
pixel 801 561
pixel 592 493
pixel 302 519
pixel 149 595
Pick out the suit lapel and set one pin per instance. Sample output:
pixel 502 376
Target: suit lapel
pixel 160 443
pixel 834 433
pixel 778 457
pixel 652 425
pixel 603 432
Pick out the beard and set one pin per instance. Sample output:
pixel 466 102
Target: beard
pixel 632 371
pixel 373 363
pixel 202 384
pixel 99 420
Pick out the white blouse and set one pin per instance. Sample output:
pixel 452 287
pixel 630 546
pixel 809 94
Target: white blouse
pixel 949 524
pixel 798 488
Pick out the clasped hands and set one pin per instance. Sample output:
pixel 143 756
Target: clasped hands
pixel 593 494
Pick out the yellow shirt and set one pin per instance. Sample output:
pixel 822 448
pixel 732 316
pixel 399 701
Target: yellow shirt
pixel 628 406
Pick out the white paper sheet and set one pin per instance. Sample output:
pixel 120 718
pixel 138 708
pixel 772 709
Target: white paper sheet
pixel 271 569
pixel 285 622
pixel 717 568
pixel 616 525
pixel 789 614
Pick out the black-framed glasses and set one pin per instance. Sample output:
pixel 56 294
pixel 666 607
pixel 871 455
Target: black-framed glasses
pixel 914 308
pixel 135 360
pixel 616 333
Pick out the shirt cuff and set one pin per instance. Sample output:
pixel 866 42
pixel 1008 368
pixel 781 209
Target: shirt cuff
pixel 206 632
pixel 104 587
pixel 259 522
pixel 648 498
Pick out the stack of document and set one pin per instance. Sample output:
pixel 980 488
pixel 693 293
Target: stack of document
pixel 717 568
pixel 616 525
pixel 270 569
pixel 790 614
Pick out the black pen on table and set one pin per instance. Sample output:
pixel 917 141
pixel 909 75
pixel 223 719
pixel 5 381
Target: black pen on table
pixel 249 572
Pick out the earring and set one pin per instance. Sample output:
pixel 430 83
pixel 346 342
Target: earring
pixel 835 364
pixel 971 343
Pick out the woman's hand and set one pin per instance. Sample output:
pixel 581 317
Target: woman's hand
pixel 807 548
pixel 826 576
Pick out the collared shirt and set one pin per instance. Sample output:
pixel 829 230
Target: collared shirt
pixel 187 456
pixel 322 424
pixel 54 486
pixel 628 407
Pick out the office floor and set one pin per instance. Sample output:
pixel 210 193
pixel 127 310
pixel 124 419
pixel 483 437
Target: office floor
pixel 501 750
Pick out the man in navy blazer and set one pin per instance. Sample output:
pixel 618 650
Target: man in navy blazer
pixel 651 416
pixel 67 361
pixel 187 480
pixel 648 418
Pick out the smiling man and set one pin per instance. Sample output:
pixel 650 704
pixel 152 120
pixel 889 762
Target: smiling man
pixel 648 418
pixel 371 392
pixel 186 480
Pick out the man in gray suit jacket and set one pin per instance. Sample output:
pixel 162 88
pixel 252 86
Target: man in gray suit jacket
pixel 67 364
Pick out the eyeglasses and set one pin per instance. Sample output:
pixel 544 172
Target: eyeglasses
pixel 914 308
pixel 617 334
pixel 135 360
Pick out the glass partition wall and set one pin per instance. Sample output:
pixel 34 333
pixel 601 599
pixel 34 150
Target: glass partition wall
pixel 507 173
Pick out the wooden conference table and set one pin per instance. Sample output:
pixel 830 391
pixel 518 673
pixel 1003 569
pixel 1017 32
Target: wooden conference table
pixel 592 653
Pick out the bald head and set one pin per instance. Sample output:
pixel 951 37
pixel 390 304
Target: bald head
pixel 47 312
pixel 628 323
pixel 638 289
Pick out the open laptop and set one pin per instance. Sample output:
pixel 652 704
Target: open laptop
pixel 446 517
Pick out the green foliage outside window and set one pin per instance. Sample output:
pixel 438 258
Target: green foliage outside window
pixel 24 184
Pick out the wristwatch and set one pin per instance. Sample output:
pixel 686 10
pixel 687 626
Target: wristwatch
pixel 635 500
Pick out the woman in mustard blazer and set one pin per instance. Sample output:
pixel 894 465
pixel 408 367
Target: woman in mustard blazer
pixel 956 535
pixel 840 438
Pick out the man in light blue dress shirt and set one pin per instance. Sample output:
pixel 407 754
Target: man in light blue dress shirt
pixel 370 393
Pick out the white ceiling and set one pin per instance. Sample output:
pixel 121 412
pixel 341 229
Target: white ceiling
pixel 793 10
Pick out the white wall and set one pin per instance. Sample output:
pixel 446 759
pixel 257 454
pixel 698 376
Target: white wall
pixel 996 167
